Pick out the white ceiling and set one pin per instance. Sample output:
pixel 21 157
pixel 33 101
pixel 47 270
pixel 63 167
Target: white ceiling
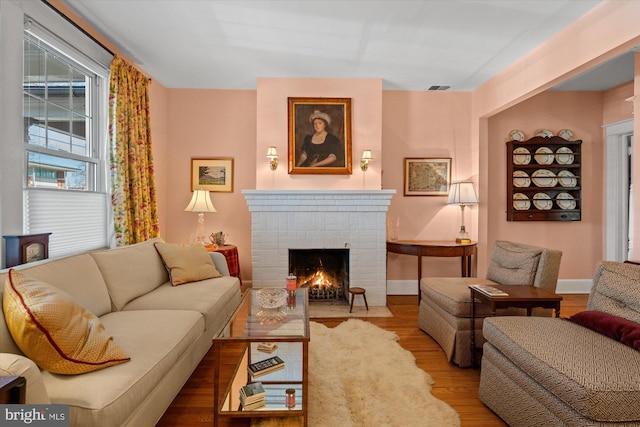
pixel 411 45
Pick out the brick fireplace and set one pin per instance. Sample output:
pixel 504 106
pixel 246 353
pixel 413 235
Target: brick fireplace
pixel 327 219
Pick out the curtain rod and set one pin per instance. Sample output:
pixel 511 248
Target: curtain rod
pixel 66 18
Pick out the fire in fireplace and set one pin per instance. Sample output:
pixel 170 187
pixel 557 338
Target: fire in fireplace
pixel 324 272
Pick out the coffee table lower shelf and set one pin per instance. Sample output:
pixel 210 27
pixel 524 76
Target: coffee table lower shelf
pixel 230 374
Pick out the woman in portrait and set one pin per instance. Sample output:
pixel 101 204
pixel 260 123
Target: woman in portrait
pixel 321 148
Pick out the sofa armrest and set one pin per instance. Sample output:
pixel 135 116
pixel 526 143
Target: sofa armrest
pixel 21 366
pixel 221 263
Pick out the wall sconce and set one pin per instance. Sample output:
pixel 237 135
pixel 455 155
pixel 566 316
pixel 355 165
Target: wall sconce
pixel 462 193
pixel 364 161
pixel 272 155
pixel 201 203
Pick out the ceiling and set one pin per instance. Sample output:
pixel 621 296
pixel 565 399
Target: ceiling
pixel 409 44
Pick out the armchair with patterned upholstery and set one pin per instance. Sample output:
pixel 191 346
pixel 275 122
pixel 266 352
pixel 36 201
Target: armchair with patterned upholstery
pixel 445 307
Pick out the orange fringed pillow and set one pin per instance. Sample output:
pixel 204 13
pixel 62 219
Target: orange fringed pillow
pixel 53 331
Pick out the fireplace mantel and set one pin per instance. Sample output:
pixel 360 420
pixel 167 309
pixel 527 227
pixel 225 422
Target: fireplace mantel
pixel 309 219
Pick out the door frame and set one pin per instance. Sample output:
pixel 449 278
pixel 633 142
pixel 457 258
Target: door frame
pixel 617 190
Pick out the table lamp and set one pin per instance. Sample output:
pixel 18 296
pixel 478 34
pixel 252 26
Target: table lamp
pixel 462 193
pixel 201 203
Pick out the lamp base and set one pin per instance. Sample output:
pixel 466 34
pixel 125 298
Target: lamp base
pixel 463 240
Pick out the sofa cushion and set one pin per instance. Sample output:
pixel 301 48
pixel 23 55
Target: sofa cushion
pixel 453 294
pixel 158 342
pixel 187 263
pixel 131 271
pixel 59 335
pixel 599 378
pixel 215 299
pixel 618 328
pixel 513 264
pixel 616 290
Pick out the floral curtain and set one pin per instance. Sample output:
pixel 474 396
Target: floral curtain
pixel 133 197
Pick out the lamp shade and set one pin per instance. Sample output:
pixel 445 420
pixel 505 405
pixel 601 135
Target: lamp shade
pixel 272 152
pixel 200 202
pixel 366 155
pixel 462 193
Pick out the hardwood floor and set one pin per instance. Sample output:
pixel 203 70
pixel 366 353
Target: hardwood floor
pixel 458 387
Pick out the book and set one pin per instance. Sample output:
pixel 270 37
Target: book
pixel 265 366
pixel 267 347
pixel 251 393
pixel 490 290
pixel 253 406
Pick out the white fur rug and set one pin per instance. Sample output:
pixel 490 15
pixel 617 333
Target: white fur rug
pixel 360 376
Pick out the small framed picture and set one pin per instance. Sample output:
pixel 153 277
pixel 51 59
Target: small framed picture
pixel 320 136
pixel 427 176
pixel 214 174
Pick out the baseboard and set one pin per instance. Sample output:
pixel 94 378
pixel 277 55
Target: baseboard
pixel 565 286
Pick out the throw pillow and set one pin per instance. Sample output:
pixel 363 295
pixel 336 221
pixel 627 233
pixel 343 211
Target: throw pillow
pixel 513 265
pixel 53 331
pixel 618 328
pixel 187 263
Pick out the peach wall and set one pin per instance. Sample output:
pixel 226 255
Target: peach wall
pixel 580 241
pixel 158 99
pixel 206 124
pixel 425 124
pixel 616 108
pixel 272 129
pixel 578 47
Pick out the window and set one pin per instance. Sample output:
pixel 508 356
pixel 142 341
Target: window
pixel 64 136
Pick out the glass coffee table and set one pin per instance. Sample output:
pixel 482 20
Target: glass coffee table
pixel 247 339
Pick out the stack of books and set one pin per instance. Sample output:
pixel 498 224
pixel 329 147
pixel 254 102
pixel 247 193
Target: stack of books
pixel 252 396
pixel 267 347
pixel 265 366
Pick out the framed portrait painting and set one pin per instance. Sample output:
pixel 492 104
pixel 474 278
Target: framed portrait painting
pixel 320 136
pixel 213 174
pixel 427 176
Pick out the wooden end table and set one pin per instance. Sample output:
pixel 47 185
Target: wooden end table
pixel 13 390
pixel 520 296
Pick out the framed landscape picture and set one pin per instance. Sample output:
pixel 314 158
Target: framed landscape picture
pixel 214 174
pixel 320 136
pixel 427 176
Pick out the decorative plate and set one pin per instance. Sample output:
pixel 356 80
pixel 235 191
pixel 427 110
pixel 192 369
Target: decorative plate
pixel 567 179
pixel 564 156
pixel 545 133
pixel 544 178
pixel 542 201
pixel 565 201
pixel 516 135
pixel 544 156
pixel 566 134
pixel 521 156
pixel 521 202
pixel 521 179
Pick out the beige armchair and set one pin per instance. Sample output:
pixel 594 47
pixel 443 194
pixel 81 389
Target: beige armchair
pixel 445 307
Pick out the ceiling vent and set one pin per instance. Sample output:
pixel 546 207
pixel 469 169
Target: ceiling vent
pixel 436 87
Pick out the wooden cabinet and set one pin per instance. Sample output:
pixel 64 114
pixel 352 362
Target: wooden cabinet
pixel 544 180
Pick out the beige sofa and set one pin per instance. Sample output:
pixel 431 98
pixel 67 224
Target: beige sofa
pixel 165 329
pixel 579 372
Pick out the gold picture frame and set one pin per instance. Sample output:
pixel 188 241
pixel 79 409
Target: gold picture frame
pixel 427 176
pixel 308 153
pixel 212 174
